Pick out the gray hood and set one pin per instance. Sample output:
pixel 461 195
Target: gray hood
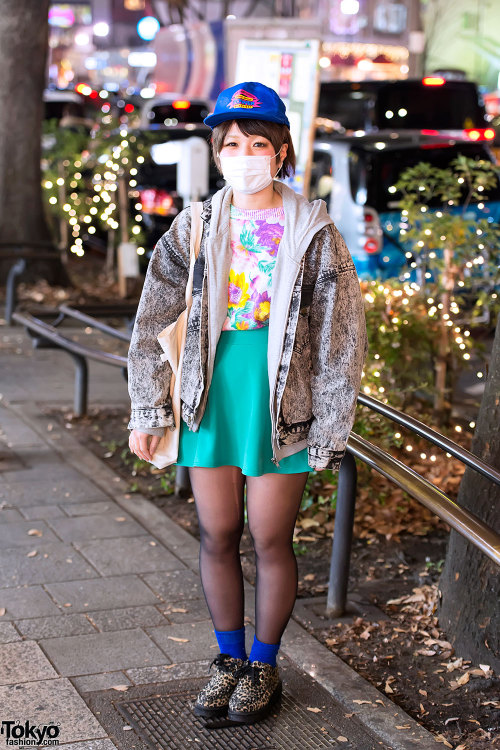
pixel 302 220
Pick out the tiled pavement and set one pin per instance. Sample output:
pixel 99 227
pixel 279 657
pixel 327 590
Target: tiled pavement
pixel 100 590
pixel 89 599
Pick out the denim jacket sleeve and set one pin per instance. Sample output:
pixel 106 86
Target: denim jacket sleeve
pixel 338 349
pixel 162 300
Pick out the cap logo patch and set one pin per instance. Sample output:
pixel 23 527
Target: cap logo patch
pixel 241 99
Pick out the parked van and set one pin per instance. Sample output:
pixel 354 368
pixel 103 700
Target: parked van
pixel 354 176
pixel 68 108
pixel 433 102
pixel 174 111
pixel 156 188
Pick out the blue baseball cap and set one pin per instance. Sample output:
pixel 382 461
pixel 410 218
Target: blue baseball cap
pixel 249 100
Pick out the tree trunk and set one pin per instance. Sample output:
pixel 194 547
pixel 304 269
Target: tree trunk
pixel 23 54
pixel 470 582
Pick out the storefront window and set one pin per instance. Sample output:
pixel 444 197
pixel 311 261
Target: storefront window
pixel 390 17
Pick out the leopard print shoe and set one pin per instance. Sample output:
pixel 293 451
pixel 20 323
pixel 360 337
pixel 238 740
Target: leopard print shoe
pixel 213 700
pixel 258 688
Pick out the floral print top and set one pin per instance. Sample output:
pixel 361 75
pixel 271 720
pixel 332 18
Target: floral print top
pixel 255 238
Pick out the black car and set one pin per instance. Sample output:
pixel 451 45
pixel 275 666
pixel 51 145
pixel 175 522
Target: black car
pixel 429 103
pixel 157 185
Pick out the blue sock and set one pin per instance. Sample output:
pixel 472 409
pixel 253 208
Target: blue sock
pixel 232 642
pixel 265 652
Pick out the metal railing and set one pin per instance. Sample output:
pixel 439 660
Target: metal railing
pixel 419 428
pixel 88 319
pixel 18 252
pixel 463 521
pixel 46 336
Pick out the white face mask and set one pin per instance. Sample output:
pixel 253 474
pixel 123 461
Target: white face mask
pixel 247 174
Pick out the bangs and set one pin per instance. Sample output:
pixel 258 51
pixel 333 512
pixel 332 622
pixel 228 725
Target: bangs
pixel 276 133
pixel 255 127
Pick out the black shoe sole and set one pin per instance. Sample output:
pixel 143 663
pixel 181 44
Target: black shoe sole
pixel 243 717
pixel 210 713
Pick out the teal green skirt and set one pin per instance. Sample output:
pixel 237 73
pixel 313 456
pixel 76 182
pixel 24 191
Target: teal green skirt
pixel 236 426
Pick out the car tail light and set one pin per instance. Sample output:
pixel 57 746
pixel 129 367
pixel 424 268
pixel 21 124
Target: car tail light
pixel 480 134
pixel 181 104
pixel 471 134
pixel 372 231
pixel 371 246
pixel 156 201
pixel 433 81
pixel 83 88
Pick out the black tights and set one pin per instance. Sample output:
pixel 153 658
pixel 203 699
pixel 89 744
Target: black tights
pixel 273 501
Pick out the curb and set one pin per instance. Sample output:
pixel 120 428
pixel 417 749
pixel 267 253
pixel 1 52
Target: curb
pixel 380 715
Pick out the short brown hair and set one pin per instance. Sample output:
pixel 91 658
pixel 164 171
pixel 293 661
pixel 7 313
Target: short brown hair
pixel 273 131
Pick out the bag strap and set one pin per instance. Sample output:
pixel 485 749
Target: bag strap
pixel 194 245
pixel 196 226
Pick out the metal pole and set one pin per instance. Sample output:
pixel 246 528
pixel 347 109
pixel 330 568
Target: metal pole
pixel 81 384
pixel 342 537
pixel 11 291
pixel 182 483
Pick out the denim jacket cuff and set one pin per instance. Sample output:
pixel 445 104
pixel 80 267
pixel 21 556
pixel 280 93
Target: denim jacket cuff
pixel 324 458
pixel 156 416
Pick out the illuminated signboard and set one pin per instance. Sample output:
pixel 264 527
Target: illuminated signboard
pixel 134 4
pixel 64 15
pixel 290 67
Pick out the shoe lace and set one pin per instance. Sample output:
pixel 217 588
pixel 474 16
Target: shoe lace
pixel 248 669
pixel 220 661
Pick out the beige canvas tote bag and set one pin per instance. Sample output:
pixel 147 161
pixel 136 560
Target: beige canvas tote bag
pixel 172 340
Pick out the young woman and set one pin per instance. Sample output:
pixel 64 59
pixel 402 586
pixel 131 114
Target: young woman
pixel 275 346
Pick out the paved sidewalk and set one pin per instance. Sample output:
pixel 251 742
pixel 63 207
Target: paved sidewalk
pixel 100 598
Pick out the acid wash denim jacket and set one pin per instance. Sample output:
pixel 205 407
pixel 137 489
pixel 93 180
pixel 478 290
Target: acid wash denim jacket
pixel 317 340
